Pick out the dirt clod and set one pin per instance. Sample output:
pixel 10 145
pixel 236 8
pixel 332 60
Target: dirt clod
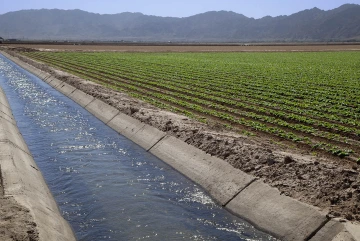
pixel 288 160
pixel 270 161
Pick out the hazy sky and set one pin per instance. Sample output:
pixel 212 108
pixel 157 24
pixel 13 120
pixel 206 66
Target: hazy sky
pixel 181 8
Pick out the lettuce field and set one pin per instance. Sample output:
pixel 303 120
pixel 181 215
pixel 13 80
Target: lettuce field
pixel 310 98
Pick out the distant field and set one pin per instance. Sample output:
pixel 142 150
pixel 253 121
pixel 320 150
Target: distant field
pixel 311 99
pixel 194 48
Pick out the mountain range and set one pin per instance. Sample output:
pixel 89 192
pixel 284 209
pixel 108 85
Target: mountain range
pixel 340 24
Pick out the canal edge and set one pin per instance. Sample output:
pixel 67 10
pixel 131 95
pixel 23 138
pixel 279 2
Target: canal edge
pixel 238 192
pixel 22 180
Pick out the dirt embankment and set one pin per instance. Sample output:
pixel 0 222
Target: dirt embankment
pixel 332 185
pixel 16 223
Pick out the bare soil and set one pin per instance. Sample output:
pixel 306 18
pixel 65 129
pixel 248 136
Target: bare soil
pixel 192 48
pixel 16 223
pixel 331 184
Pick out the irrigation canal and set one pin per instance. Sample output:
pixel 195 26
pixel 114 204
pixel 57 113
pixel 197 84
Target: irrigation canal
pixel 107 187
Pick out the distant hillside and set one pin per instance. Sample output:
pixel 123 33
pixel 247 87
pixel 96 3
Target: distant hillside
pixel 342 23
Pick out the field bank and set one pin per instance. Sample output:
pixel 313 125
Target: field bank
pixel 262 214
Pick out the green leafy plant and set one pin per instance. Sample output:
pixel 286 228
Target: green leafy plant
pixel 298 97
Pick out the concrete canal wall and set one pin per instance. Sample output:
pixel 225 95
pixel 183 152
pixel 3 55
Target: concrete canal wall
pixel 22 180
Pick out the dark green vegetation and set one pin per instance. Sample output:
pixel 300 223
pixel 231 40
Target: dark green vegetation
pixel 311 99
pixel 340 24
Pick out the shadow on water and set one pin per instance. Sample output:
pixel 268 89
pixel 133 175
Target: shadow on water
pixel 107 187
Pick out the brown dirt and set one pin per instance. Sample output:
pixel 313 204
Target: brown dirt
pixel 16 223
pixel 330 184
pixel 189 48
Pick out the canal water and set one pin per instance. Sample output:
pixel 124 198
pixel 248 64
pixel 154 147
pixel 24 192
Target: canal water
pixel 107 187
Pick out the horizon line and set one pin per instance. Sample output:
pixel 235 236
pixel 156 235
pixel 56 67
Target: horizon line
pixel 178 17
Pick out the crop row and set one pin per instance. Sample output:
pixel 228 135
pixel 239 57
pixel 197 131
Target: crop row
pixel 289 114
pixel 207 102
pixel 267 98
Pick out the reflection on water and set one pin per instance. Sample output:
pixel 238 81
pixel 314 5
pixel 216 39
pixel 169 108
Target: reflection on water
pixel 107 187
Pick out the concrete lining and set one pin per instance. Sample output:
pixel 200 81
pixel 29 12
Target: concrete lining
pixel 240 193
pixel 28 67
pixel 41 75
pixel 55 82
pixel 335 230
pixel 284 217
pixel 10 133
pixel 48 80
pixel 216 176
pixel 125 125
pixel 6 114
pixel 144 135
pixel 46 75
pixel 66 89
pixel 81 98
pixel 4 102
pixel 329 231
pixel 31 68
pixel 147 137
pixel 101 110
pixel 339 232
pixel 353 230
pixel 22 180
